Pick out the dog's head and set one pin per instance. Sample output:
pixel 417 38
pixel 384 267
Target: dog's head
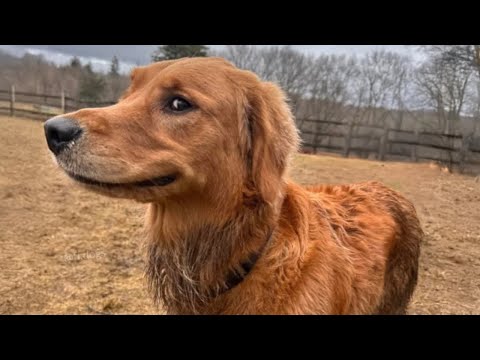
pixel 189 126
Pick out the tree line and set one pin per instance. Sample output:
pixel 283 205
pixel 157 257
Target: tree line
pixel 375 88
pixel 34 74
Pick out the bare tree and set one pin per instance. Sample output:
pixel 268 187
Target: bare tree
pixel 329 85
pixel 382 82
pixel 465 56
pixel 289 68
pixel 244 56
pixel 380 93
pixel 442 86
pixel 328 94
pixel 283 65
pixel 33 74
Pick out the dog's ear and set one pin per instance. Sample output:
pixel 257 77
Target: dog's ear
pixel 272 139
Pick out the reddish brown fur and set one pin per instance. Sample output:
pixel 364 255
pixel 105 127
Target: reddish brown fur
pixel 350 249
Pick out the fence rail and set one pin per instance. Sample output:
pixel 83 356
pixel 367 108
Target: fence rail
pixel 387 143
pixel 344 138
pixel 16 103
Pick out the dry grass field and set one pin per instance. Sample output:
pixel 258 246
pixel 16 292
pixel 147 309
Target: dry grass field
pixel 67 251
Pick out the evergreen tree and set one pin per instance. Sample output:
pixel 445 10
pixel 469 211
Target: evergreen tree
pixel 114 66
pixel 92 87
pixel 170 52
pixel 88 68
pixel 75 62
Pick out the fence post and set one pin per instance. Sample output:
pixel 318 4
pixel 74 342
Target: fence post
pixel 348 138
pixel 315 137
pixel 463 151
pixel 12 100
pixel 413 153
pixel 63 101
pixel 382 149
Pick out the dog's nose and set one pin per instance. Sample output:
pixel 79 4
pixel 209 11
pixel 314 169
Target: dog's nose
pixel 60 132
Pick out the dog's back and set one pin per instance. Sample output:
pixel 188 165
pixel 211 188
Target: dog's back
pixel 378 233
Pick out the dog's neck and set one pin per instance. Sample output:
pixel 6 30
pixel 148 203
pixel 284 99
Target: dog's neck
pixel 190 250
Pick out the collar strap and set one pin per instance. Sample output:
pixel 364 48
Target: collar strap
pixel 236 276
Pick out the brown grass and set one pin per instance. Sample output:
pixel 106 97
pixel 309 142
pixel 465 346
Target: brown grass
pixel 66 250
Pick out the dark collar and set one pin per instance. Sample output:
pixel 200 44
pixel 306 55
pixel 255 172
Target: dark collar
pixel 235 277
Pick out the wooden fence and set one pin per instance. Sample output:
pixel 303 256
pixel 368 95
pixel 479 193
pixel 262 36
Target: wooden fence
pixel 16 103
pixel 387 143
pixel 343 138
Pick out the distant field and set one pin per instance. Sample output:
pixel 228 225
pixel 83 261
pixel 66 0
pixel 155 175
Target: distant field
pixel 65 250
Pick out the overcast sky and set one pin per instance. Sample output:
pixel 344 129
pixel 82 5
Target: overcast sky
pixel 130 55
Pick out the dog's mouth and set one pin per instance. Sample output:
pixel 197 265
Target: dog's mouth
pixel 158 181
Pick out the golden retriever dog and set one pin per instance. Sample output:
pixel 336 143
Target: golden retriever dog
pixel 207 146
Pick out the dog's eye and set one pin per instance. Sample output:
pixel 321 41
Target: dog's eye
pixel 178 104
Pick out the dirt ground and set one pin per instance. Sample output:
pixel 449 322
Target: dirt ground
pixel 64 250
